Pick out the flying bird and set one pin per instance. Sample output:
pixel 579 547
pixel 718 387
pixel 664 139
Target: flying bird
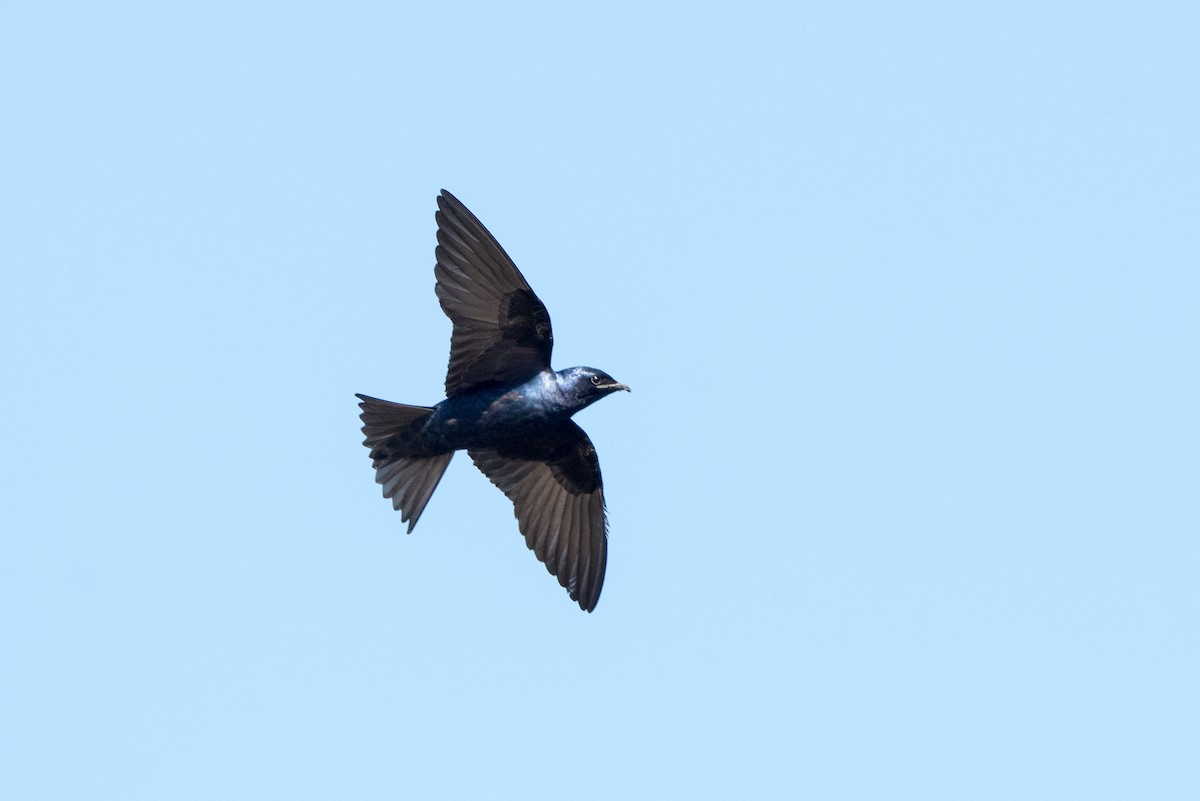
pixel 506 407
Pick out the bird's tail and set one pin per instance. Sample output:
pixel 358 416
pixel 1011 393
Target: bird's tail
pixel 409 480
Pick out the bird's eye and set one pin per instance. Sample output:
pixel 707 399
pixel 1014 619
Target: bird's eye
pixel 595 380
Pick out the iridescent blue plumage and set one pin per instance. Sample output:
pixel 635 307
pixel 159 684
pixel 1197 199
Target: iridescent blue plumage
pixel 506 407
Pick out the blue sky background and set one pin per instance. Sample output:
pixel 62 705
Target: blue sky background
pixel 903 503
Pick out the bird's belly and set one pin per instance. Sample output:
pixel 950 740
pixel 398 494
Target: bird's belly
pixel 487 422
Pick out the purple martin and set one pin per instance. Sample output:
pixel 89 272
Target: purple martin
pixel 506 407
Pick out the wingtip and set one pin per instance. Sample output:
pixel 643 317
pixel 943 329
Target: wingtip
pixel 587 602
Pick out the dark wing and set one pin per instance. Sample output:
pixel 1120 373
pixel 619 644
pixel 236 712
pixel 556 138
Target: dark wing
pixel 501 332
pixel 554 484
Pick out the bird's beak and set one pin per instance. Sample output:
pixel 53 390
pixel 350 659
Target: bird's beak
pixel 614 387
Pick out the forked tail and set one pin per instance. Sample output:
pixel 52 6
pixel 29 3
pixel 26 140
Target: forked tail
pixel 408 480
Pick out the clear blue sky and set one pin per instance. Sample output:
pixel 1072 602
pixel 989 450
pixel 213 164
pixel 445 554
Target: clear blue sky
pixel 904 503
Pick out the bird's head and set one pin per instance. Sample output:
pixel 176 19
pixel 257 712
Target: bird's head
pixel 586 385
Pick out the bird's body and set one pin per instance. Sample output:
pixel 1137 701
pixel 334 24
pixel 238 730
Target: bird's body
pixel 498 416
pixel 506 407
pixel 495 416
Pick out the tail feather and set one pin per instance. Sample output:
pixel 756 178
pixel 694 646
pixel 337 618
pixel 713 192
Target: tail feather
pixel 383 419
pixel 410 483
pixel 409 480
